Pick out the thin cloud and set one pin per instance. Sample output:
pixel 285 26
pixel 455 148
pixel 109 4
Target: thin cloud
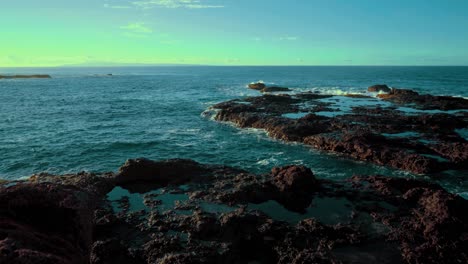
pixel 190 4
pixel 289 38
pixel 116 6
pixel 138 27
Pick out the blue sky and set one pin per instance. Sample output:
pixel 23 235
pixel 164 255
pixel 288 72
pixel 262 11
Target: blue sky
pixel 234 32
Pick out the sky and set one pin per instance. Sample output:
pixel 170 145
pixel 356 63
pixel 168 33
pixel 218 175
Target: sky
pixel 233 32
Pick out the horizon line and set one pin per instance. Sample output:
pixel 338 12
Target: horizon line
pixel 218 65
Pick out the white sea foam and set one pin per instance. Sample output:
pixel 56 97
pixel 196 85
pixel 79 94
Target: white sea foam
pixel 268 161
pixel 210 113
pixel 256 131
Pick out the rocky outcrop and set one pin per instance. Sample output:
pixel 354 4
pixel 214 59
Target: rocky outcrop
pixel 36 76
pixel 426 101
pixel 70 219
pixel 46 223
pixel 379 88
pixel 367 133
pixel 142 170
pixel 275 89
pixel 436 227
pixel 257 86
pixel 294 179
pixel 267 89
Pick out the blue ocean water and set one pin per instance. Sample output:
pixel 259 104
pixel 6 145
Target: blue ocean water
pixel 82 119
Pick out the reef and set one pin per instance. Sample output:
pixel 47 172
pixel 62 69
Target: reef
pixel 180 211
pixel 267 89
pixel 35 76
pixel 426 101
pixel 379 88
pixel 401 129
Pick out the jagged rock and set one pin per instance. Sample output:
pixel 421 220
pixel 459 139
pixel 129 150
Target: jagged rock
pixel 379 88
pixel 168 172
pixel 69 220
pixel 365 133
pixel 45 223
pixel 427 101
pixel 275 89
pixel 294 179
pixel 257 86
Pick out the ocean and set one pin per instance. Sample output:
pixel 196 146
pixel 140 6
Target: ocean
pixel 84 120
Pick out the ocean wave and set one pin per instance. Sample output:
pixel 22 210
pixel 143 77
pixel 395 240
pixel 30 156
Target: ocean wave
pixel 210 113
pixel 269 161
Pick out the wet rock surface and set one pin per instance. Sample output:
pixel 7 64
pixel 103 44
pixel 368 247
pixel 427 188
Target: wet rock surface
pixel 198 213
pixel 426 101
pixel 379 88
pixel 396 130
pixel 257 86
pixel 275 89
pixel 49 219
pixel 267 89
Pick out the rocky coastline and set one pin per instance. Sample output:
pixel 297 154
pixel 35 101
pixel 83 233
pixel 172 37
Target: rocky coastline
pixel 180 211
pixel 400 129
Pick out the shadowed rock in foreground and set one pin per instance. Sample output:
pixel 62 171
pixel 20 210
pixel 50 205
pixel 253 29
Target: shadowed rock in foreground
pixel 397 131
pixel 35 76
pixel 180 211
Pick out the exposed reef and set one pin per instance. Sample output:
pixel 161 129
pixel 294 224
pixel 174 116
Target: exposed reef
pixel 397 130
pixel 180 211
pixel 267 89
pixel 426 101
pixel 379 88
pixel 35 76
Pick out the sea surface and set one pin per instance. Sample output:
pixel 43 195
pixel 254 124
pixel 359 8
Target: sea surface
pixel 84 120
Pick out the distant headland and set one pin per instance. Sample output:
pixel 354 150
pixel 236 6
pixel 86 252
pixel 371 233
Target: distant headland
pixel 35 76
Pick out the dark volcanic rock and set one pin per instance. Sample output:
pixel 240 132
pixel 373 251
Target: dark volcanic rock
pixel 146 171
pixel 404 96
pixel 45 223
pixel 294 179
pixel 379 88
pixel 36 76
pixel 68 219
pixel 275 89
pixel 436 228
pixel 257 86
pixel 375 148
pixel 367 133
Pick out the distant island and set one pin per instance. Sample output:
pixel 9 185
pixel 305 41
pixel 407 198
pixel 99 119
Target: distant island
pixel 34 76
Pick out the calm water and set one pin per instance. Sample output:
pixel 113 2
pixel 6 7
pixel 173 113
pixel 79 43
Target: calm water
pixel 82 120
